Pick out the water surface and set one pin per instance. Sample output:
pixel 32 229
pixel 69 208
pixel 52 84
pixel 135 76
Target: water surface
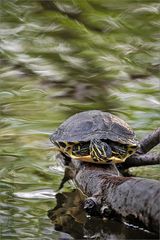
pixel 59 58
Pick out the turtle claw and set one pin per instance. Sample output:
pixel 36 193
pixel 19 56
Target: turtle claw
pixel 89 203
pixel 106 211
pixel 93 208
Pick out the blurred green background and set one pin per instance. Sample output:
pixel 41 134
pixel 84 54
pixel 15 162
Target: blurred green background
pixel 58 58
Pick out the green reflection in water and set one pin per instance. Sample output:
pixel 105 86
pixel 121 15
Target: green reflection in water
pixel 59 58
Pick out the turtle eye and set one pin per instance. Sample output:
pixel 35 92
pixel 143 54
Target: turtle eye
pixel 130 151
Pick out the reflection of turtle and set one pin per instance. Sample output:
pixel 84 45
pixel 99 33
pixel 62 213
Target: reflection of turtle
pixel 95 136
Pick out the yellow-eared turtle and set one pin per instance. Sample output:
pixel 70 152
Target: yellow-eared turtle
pixel 95 136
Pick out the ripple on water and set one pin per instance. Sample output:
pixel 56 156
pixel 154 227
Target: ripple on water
pixel 38 194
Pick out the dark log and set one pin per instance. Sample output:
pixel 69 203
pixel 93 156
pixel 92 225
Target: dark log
pixel 150 141
pixel 141 160
pixel 136 200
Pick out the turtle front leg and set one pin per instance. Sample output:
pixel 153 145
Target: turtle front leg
pixel 65 159
pixel 100 151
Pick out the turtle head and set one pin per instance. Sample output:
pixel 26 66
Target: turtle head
pixel 100 151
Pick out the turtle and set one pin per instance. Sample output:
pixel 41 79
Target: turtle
pixel 95 136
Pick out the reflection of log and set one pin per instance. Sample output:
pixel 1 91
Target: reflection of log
pixel 68 216
pixel 133 199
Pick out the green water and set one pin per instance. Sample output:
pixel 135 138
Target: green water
pixel 58 58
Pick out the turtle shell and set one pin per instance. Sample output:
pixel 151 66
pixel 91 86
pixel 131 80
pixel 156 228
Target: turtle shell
pixel 94 124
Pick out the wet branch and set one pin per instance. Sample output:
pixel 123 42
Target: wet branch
pixel 142 157
pixel 142 160
pixel 150 141
pixel 131 199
